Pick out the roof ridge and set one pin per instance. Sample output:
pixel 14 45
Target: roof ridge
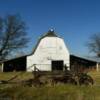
pixel 50 33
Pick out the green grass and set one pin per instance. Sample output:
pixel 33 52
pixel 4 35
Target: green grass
pixel 57 92
pixel 9 75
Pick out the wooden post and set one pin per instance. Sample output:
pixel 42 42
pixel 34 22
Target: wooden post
pixel 1 65
pixel 97 67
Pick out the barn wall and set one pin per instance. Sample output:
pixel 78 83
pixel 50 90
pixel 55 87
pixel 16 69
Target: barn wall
pixel 49 48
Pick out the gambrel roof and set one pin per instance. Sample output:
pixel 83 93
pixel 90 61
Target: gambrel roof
pixel 50 33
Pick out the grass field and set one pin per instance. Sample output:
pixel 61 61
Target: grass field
pixel 57 92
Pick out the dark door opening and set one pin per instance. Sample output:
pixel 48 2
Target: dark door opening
pixel 57 65
pixel 17 64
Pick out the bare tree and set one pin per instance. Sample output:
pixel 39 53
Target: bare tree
pixel 13 35
pixel 94 44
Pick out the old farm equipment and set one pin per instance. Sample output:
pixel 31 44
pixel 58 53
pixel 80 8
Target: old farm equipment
pixel 55 77
pixel 85 79
pixel 66 77
pixel 41 78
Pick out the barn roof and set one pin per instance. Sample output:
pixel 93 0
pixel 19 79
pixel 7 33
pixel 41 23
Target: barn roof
pixel 6 60
pixel 85 59
pixel 50 33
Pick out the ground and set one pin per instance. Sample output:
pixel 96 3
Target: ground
pixel 57 92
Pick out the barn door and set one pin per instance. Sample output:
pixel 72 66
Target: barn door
pixel 57 65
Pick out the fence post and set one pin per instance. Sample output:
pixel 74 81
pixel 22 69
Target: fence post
pixel 97 67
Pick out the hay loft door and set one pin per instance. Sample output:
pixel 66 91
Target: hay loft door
pixel 57 64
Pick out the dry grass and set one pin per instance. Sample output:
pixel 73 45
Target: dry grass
pixel 96 76
pixel 57 92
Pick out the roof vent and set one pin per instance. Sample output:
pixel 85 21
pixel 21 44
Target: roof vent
pixel 50 33
pixel 52 30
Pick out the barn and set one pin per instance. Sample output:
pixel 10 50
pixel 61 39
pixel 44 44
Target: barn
pixel 49 54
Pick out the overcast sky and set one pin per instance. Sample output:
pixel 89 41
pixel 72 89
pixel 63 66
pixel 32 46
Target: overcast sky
pixel 74 20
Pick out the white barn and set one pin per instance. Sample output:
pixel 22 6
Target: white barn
pixel 50 53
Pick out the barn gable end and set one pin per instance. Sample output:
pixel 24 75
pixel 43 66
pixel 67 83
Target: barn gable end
pixel 50 53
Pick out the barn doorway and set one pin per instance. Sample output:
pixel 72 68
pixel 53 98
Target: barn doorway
pixel 57 65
